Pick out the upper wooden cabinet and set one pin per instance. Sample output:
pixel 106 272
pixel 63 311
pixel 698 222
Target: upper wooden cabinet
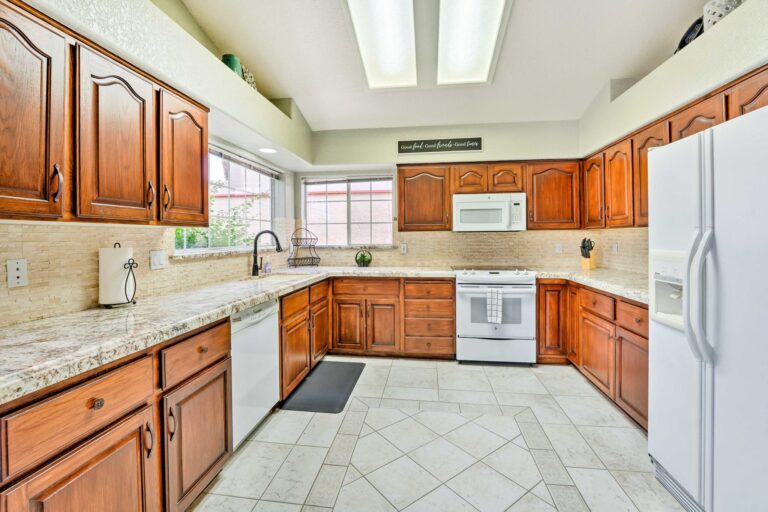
pixel 34 67
pixel 469 179
pixel 183 184
pixel 553 189
pixel 116 151
pixel 618 185
pixel 698 117
pixel 749 95
pixel 593 192
pixel 656 135
pixel 424 199
pixel 509 177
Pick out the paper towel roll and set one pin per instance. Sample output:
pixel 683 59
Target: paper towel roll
pixel 113 275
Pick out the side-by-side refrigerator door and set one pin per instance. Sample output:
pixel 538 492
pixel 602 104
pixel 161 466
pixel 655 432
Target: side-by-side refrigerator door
pixel 675 367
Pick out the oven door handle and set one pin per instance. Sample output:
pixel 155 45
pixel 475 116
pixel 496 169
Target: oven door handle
pixel 474 289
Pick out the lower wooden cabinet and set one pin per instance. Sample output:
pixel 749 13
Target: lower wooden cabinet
pixel 198 434
pixel 552 321
pixel 382 324
pixel 319 330
pixel 573 341
pixel 295 360
pixel 632 375
pixel 598 357
pixel 348 323
pixel 116 470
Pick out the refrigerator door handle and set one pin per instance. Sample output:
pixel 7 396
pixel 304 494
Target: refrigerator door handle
pixel 687 324
pixel 696 304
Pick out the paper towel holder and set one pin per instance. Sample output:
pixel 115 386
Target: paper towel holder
pixel 129 265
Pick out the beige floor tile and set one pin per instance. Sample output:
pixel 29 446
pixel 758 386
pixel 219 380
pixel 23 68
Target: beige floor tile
pixel 294 480
pixel 544 407
pixel 372 452
pixel 440 422
pixel 321 430
pixel 646 492
pixel 353 422
pixel 326 486
pixel 486 489
pixel 592 411
pixel 402 482
pixel 619 448
pixel 517 382
pixel 251 469
pixel 601 491
pixel 407 435
pixel 405 393
pixel 540 491
pixel 442 458
pixel 504 426
pixel 412 377
pixel 360 496
pixel 567 498
pixel 283 427
pixel 516 464
pixel 341 450
pixel 312 508
pixel 271 506
pixel 566 384
pixel 465 378
pixel 367 390
pixel 439 406
pixel 571 446
pixel 472 411
pixel 216 503
pixel 534 436
pixel 475 440
pixel 441 499
pixel 531 503
pixel 467 397
pixel 351 475
pixel 550 467
pixel 374 375
pixel 409 407
pixel 378 418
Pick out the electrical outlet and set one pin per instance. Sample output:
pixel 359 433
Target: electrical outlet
pixel 157 260
pixel 558 248
pixel 403 248
pixel 615 248
pixel 17 273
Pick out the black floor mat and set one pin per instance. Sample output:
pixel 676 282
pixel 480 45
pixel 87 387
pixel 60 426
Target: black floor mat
pixel 326 389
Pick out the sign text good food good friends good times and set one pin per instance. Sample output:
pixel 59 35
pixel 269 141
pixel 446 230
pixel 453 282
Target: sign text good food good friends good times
pixel 439 145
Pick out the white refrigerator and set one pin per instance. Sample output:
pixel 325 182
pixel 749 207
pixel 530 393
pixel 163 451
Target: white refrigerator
pixel 708 355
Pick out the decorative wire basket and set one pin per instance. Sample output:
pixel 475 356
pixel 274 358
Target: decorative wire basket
pixel 303 252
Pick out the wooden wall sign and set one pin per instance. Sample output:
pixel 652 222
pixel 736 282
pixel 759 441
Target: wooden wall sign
pixel 405 147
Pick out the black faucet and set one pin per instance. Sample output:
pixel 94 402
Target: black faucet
pixel 258 263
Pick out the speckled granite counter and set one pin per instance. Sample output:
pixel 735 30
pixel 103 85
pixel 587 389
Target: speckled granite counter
pixel 44 352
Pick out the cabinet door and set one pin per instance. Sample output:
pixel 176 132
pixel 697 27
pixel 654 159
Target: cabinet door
pixel 295 351
pixel 749 95
pixel 598 357
pixel 618 185
pixel 698 117
pixel 469 179
pixel 183 161
pixel 573 347
pixel 552 323
pixel 657 135
pixel 506 177
pixel 383 325
pixel 594 185
pixel 116 151
pixel 117 470
pixel 348 323
pixel 553 195
pixel 632 375
pixel 198 434
pixel 424 199
pixel 320 330
pixel 34 71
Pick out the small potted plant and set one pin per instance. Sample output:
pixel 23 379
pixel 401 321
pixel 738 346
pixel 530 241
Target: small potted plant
pixel 363 258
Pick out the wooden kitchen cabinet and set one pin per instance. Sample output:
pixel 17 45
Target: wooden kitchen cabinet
pixel 573 343
pixel 117 470
pixel 348 323
pixel 183 186
pixel 698 117
pixel 34 66
pixel 618 185
pixel 552 321
pixel 295 351
pixel 632 375
pixel 508 177
pixel 198 434
pixel 748 96
pixel 383 324
pixel 553 193
pixel 424 198
pixel 469 179
pixel 319 330
pixel 655 136
pixel 598 355
pixel 116 154
pixel 593 192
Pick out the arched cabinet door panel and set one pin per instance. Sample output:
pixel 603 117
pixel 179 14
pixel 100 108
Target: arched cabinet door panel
pixel 593 192
pixel 656 135
pixel 469 179
pixel 553 192
pixel 748 96
pixel 506 177
pixel 618 185
pixel 424 198
pixel 698 117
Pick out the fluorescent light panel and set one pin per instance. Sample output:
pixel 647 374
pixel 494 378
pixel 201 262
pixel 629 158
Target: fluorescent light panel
pixel 469 30
pixel 387 41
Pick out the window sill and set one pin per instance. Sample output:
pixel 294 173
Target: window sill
pixel 358 247
pixel 191 254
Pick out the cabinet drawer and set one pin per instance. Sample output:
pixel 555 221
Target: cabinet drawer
pixel 633 318
pixel 366 286
pixel 428 345
pixel 318 292
pixel 428 290
pixel 39 431
pixel 429 327
pixel 429 308
pixel 598 303
pixel 297 302
pixel 193 354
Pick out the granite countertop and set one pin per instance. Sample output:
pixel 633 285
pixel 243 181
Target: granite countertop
pixel 43 352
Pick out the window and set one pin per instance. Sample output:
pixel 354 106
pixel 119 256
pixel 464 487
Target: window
pixel 349 211
pixel 240 205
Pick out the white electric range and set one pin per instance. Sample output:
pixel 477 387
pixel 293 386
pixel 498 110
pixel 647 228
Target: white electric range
pixel 513 340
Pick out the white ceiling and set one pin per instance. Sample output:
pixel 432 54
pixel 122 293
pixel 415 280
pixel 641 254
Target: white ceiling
pixel 556 56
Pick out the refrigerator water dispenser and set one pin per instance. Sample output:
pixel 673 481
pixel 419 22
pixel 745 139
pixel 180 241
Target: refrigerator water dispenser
pixel 667 288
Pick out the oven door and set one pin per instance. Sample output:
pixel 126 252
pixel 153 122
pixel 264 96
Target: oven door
pixel 481 214
pixel 518 319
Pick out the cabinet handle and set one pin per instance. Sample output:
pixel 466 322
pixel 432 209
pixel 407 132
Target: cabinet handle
pixel 530 216
pixel 171 424
pixel 149 439
pixel 600 213
pixel 594 302
pixel 169 197
pixel 608 211
pixel 429 344
pixel 151 197
pixel 638 320
pixel 59 181
pixel 97 403
pixel 203 349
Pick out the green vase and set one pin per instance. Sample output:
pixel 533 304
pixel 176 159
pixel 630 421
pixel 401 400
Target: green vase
pixel 233 62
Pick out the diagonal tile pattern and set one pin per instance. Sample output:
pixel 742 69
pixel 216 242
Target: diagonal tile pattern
pixel 425 435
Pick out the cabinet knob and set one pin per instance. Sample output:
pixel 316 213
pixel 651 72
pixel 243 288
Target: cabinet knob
pixel 203 349
pixel 594 302
pixel 429 344
pixel 638 320
pixel 97 403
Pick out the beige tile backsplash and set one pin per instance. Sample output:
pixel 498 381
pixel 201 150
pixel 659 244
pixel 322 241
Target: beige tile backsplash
pixel 63 259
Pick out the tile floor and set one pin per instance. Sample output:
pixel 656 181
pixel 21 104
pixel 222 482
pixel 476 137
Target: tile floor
pixel 438 436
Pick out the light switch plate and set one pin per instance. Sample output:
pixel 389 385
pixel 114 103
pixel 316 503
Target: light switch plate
pixel 403 248
pixel 615 248
pixel 558 248
pixel 17 273
pixel 157 260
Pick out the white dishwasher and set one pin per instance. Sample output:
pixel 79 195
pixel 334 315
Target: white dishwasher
pixel 255 367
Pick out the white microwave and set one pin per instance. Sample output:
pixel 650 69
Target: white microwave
pixel 489 212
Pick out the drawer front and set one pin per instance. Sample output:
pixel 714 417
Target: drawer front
pixel 318 292
pixel 633 318
pixel 425 308
pixel 428 345
pixel 428 290
pixel 41 430
pixel 598 303
pixel 188 357
pixel 429 327
pixel 366 287
pixel 297 302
